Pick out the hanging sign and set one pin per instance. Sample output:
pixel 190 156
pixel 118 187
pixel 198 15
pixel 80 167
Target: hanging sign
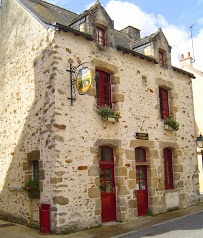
pixel 83 80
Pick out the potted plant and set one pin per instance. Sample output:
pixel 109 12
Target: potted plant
pixel 108 114
pixel 170 123
pixel 32 187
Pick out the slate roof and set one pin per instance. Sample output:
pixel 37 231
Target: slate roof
pixel 49 13
pixel 121 39
pixel 143 41
pixel 62 18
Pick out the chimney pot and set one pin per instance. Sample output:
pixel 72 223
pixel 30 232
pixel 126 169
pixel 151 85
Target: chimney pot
pixel 188 54
pixel 182 56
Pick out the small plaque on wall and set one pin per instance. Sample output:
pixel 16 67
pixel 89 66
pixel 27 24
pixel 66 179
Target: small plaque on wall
pixel 141 136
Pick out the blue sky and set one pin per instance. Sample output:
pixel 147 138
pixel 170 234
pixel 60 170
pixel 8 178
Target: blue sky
pixel 176 12
pixel 175 17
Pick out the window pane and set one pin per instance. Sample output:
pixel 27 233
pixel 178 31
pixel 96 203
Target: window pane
pixel 106 79
pixel 106 154
pixel 164 106
pixel 103 90
pixel 35 166
pixel 162 58
pixel 100 36
pixel 141 178
pixel 168 168
pixel 140 154
pixel 106 180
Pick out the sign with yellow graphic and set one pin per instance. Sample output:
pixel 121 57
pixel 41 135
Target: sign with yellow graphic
pixel 83 80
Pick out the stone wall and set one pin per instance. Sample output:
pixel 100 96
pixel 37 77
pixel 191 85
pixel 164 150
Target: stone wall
pixel 26 103
pixel 138 103
pixel 36 115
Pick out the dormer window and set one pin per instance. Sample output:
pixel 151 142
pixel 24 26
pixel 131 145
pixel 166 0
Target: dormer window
pixel 101 36
pixel 162 58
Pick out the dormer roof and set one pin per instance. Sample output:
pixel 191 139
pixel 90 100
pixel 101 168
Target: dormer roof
pixel 65 19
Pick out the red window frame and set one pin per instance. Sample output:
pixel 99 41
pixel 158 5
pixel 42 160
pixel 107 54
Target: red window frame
pixel 168 169
pixel 162 58
pixel 103 88
pixel 164 106
pixel 101 36
pixel 140 151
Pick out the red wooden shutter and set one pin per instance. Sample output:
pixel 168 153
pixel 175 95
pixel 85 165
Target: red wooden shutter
pixel 103 88
pixel 163 93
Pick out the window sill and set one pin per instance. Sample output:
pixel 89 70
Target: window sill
pixel 142 163
pixel 171 190
pixel 167 127
pixel 111 119
pixel 15 188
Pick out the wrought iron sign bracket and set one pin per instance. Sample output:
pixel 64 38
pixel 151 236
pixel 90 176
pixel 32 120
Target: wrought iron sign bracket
pixel 72 70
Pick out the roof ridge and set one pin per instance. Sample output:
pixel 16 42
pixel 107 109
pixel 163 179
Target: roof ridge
pixel 58 6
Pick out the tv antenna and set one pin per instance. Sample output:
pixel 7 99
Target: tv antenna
pixel 192 41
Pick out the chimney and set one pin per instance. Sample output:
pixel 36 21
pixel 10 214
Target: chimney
pixel 188 60
pixel 132 32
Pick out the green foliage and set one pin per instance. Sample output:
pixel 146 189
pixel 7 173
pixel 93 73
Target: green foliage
pixel 149 213
pixel 172 123
pixel 31 185
pixel 105 112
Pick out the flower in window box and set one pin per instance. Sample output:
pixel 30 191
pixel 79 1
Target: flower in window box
pixel 32 187
pixel 171 123
pixel 108 114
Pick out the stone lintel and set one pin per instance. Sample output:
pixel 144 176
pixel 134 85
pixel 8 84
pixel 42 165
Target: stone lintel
pixel 142 143
pixel 33 155
pixel 108 142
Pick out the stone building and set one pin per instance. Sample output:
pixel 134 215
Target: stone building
pixel 91 170
pixel 186 63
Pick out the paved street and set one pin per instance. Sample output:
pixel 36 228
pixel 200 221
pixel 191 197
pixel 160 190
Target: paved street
pixel 176 224
pixel 186 227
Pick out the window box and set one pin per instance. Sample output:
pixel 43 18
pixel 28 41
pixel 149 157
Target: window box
pixel 171 124
pixel 167 127
pixel 111 119
pixel 32 188
pixel 108 114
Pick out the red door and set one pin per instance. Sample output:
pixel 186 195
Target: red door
pixel 107 185
pixel 142 193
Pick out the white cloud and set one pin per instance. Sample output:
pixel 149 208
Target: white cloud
pixel 89 5
pixel 200 21
pixel 125 13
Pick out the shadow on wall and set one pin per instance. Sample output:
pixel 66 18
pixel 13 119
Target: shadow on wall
pixel 29 114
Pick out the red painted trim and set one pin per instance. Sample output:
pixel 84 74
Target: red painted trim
pixel 103 88
pixel 168 168
pixel 162 58
pixel 164 107
pixel 108 199
pixel 101 36
pixel 142 191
